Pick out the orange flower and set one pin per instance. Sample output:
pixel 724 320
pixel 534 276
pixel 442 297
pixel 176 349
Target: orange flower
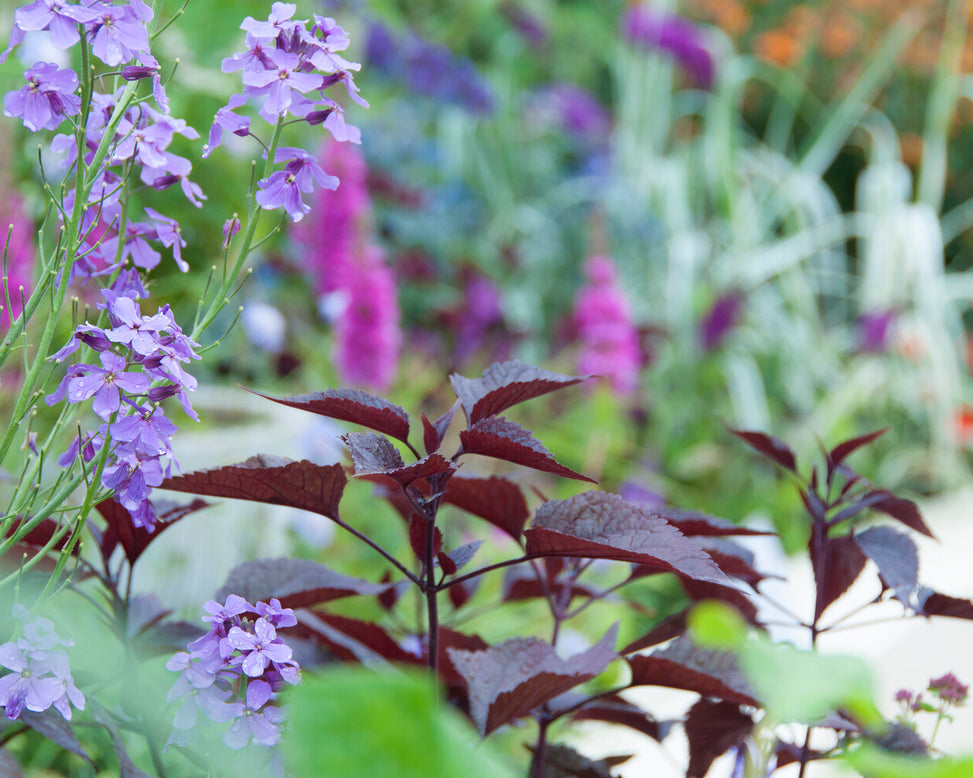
pixel 777 47
pixel 963 425
pixel 910 145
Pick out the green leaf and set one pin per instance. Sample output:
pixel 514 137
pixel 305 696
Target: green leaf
pixel 717 626
pixel 804 686
pixel 380 724
pixel 878 763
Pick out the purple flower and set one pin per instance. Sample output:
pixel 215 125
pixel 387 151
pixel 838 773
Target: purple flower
pixel 57 17
pixel 608 337
pixel 874 330
pixel 46 99
pixel 259 648
pixel 949 689
pixel 255 720
pixel 227 120
pixel 574 109
pixel 103 383
pixel 277 83
pixel 721 319
pixel 119 33
pixel 682 39
pixel 367 336
pixel 284 187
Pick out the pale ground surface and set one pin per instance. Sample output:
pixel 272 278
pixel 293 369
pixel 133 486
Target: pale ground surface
pixel 194 557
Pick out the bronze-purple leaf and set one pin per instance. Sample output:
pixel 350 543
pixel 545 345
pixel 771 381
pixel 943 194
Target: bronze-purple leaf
pixel 837 455
pixel 498 500
pixel 684 665
pixel 667 629
pixel 617 710
pixel 134 539
pixel 505 384
pixel 270 479
pixel 564 762
pixel 713 728
pixel 520 583
pixel 900 509
pixel 502 439
pixel 297 583
pixel 509 680
pixel 770 447
pixel 694 523
pixel 372 453
pixel 52 726
pixel 433 432
pixel 352 640
pixel 837 564
pixel 601 525
pixel 936 604
pixel 897 559
pixel 352 405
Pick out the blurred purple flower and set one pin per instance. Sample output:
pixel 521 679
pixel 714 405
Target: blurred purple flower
pixel 609 339
pixel 646 27
pixel 367 331
pixel 18 264
pixel 722 317
pixel 574 109
pixel 874 331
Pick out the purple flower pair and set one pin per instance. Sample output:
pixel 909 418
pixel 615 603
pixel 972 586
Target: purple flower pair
pixel 40 675
pixel 234 673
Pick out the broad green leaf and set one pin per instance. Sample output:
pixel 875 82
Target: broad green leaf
pixel 348 722
pixel 878 763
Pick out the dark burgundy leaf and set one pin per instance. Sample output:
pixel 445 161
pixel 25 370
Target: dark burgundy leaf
pixel 617 710
pixel 445 563
pixel 352 640
pixel 509 680
pixel 693 524
pixel 496 437
pixel 684 665
pixel 836 567
pixel 896 557
pixel 903 510
pixel 712 728
pixel 460 594
pixel 707 590
pixel 814 506
pixel 134 539
pixel 520 583
pixel 357 407
pixel 297 583
pixel 837 455
pixel 390 596
pixel 418 527
pixel 497 500
pixel 433 432
pixel 936 604
pixel 667 629
pixel 269 479
pixel 561 761
pixel 770 447
pixel 789 753
pixel 606 526
pixel 40 535
pixel 733 559
pixel 856 507
pixel 505 384
pixel 52 726
pixel 451 639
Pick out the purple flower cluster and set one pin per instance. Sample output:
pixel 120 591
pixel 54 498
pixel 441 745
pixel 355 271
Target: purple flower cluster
pixel 722 317
pixel 141 363
pixel 428 69
pixel 355 286
pixel 234 673
pixel 608 337
pixel 647 27
pixel 949 689
pixel 287 69
pixel 40 676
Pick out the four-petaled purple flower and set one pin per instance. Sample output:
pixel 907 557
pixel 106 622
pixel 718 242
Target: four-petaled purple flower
pixel 284 187
pixel 47 98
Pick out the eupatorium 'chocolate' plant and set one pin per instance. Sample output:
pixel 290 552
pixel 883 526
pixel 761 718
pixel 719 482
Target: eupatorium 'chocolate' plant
pixel 562 550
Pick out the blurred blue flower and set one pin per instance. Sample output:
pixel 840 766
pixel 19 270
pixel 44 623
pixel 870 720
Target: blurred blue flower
pixel 428 69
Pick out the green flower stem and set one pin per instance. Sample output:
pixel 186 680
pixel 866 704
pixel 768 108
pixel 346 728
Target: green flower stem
pixel 85 178
pixel 222 295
